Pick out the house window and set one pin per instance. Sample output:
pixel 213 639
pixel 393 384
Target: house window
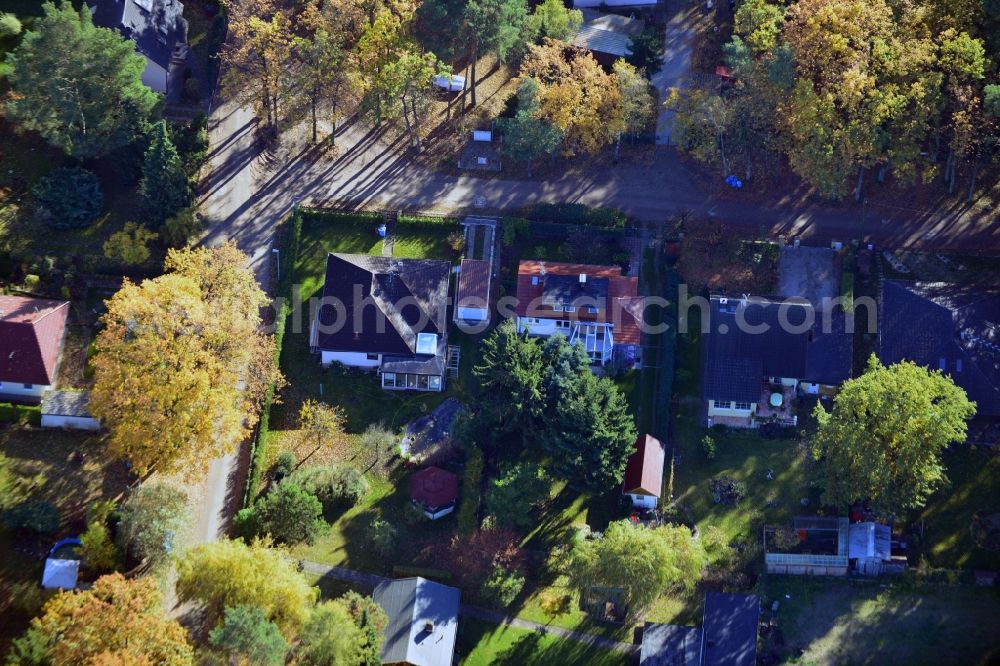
pixel 723 404
pixel 745 406
pixel 570 308
pixel 592 310
pixel 434 383
pixel 28 386
pixel 562 323
pixel 557 308
pixel 371 357
pixel 389 379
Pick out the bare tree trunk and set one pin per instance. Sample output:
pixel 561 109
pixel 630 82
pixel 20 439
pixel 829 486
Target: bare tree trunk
pixel 475 56
pixel 972 181
pixel 618 147
pixel 416 124
pixel 881 173
pixel 312 111
pixel 465 88
pixel 406 117
pixel 858 187
pixel 333 120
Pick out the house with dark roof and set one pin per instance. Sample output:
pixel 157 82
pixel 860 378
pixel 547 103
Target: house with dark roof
pixel 423 621
pixel 727 636
pixel 643 480
pixel 31 341
pixel 954 328
pixel 385 314
pixel 759 354
pixel 607 36
pixel 159 30
pixel 595 305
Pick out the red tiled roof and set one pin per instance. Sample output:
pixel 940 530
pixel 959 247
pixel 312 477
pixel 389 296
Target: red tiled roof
pixel 624 307
pixel 644 471
pixel 432 487
pixel 31 335
pixel 474 281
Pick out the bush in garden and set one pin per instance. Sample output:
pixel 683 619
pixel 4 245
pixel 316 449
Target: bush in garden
pixel 502 586
pixel 383 537
pixel 32 516
pixel 70 198
pixel 456 241
pixel 10 26
pixel 333 485
pixel 290 514
pixel 708 447
pixel 130 246
pixel 284 466
pixel 178 230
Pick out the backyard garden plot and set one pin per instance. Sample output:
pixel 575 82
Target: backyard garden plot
pixel 830 621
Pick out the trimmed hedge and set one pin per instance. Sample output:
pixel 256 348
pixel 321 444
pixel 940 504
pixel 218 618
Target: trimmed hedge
pixel 377 217
pixel 259 445
pixel 472 482
pixel 574 213
pixel 22 414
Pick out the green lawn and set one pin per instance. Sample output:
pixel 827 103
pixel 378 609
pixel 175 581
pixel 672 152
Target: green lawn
pixel 975 486
pixel 48 457
pixel 482 643
pixel 834 621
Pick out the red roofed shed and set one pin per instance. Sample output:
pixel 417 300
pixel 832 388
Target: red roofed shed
pixel 31 338
pixel 643 481
pixel 434 491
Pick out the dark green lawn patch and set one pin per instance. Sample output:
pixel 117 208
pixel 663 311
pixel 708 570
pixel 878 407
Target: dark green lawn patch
pixel 893 621
pixel 974 476
pixel 482 643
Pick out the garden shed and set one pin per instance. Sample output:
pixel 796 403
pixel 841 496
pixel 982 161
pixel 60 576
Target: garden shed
pixel 68 409
pixel 434 491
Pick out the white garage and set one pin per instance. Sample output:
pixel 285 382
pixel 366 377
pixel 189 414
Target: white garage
pixel 69 410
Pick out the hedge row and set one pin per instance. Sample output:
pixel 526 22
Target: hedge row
pixel 23 414
pixel 574 213
pixel 259 445
pixel 376 217
pixel 472 481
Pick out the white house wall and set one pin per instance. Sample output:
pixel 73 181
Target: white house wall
pixel 543 327
pixel 70 422
pixel 472 314
pixel 642 501
pixel 739 413
pixel 352 359
pixel 18 389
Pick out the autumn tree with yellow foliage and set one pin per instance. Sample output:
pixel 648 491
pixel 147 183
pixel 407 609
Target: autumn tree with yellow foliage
pixel 576 96
pixel 117 621
pixel 182 365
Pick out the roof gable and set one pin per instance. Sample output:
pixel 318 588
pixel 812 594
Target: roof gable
pixel 154 25
pixel 384 303
pixel 644 471
pixel 31 337
pixel 729 629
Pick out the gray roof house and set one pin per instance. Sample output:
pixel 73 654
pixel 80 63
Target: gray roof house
pixel 423 621
pixel 159 30
pixel 607 35
pixel 385 314
pixel 727 637
pixel 954 328
pixel 751 342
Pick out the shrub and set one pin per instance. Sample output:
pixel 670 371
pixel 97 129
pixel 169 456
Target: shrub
pixel 70 197
pixel 32 516
pixel 130 246
pixel 515 493
pixel 554 603
pixel 151 519
pixel 290 514
pixel 178 230
pixel 575 213
pixel 708 447
pixel 284 466
pixel 468 506
pixel 379 442
pixel 96 547
pixel 10 26
pixel 456 241
pixel 502 586
pixel 383 537
pixel 333 485
pixel 246 524
pixel 513 227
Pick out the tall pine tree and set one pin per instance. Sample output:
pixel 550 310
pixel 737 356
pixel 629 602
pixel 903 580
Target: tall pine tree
pixel 165 188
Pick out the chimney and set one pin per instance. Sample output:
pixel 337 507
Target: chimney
pixel 429 626
pixel 583 278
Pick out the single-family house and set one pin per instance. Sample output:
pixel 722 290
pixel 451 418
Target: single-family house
pixel 607 36
pixel 595 305
pixel 472 292
pixel 31 340
pixel 759 353
pixel 954 328
pixel 423 621
pixel 727 636
pixel 159 30
pixel 643 480
pixel 69 410
pixel 387 315
pixel 434 491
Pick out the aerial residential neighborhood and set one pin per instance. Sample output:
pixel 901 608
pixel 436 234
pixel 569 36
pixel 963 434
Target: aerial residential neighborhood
pixel 552 332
